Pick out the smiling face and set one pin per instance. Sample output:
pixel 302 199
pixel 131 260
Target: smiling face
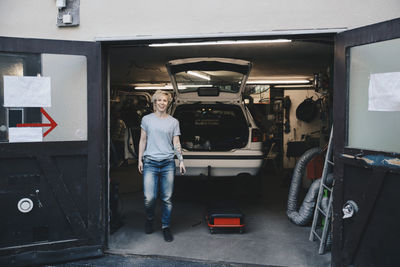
pixel 161 103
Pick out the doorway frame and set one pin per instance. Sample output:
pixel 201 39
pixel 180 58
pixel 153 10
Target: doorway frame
pixel 108 43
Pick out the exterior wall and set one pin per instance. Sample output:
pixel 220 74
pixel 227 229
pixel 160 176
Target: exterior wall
pixel 127 18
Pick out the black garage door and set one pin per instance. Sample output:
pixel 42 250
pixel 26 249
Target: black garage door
pixel 52 156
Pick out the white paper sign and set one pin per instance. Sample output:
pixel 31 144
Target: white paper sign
pixel 25 134
pixel 27 91
pixel 384 92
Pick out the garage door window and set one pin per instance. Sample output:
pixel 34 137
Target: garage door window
pixel 374 96
pixel 43 97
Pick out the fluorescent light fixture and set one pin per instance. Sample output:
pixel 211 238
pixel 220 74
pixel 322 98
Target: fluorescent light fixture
pixel 169 87
pixel 278 81
pixel 184 86
pixel 294 86
pixel 227 42
pixel 166 87
pixel 199 74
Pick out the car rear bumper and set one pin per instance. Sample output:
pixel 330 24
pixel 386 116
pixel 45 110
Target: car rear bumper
pixel 221 165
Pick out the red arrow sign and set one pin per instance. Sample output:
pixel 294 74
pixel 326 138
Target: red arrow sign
pixel 52 123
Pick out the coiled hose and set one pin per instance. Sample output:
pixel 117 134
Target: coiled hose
pixel 304 215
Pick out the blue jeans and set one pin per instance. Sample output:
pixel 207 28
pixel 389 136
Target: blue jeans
pixel 158 174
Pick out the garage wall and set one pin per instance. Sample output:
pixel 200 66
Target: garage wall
pixel 127 18
pixel 302 127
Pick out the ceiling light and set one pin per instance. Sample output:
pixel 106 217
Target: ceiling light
pixel 182 86
pixel 227 42
pixel 278 81
pixel 199 74
pixel 170 87
pixel 165 87
pixel 294 86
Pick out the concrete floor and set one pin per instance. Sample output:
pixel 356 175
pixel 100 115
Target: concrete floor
pixel 270 238
pixel 118 260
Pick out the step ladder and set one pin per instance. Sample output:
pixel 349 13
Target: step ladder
pixel 319 212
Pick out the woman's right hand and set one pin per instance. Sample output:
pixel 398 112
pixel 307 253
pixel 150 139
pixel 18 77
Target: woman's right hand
pixel 140 166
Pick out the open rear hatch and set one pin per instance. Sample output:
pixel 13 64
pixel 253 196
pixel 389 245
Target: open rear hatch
pixel 200 79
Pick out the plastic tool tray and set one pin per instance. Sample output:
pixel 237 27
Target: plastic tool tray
pixel 224 215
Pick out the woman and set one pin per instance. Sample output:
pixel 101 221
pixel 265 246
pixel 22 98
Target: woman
pixel 159 141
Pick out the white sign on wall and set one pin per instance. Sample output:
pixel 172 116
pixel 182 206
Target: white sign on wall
pixel 384 92
pixel 24 91
pixel 25 134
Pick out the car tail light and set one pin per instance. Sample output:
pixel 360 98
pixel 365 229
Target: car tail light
pixel 256 135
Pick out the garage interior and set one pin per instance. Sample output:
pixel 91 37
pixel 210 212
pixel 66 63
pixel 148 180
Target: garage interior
pixel 136 69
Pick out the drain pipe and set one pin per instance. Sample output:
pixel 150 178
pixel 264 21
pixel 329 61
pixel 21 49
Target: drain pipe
pixel 304 215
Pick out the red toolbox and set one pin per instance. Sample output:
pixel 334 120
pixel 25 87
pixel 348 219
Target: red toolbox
pixel 224 215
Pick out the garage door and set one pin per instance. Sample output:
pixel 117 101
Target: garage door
pixel 367 147
pixel 52 167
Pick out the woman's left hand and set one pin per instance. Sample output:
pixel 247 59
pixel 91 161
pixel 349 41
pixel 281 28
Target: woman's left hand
pixel 182 168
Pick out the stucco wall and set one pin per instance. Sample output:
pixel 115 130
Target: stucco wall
pixel 129 18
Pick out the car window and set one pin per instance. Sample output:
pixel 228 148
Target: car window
pixel 212 127
pixel 225 81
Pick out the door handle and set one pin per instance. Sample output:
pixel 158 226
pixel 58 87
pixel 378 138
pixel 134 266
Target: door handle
pixel 349 209
pixel 38 199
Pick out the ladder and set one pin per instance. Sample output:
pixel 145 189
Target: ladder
pixel 319 211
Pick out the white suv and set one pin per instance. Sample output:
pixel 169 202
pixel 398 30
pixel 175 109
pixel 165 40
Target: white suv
pixel 219 136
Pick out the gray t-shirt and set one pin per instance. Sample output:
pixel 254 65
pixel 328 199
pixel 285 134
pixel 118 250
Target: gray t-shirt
pixel 160 132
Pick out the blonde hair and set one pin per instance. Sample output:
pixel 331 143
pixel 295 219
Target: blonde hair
pixel 159 93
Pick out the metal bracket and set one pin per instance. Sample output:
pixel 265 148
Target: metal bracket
pixel 69 15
